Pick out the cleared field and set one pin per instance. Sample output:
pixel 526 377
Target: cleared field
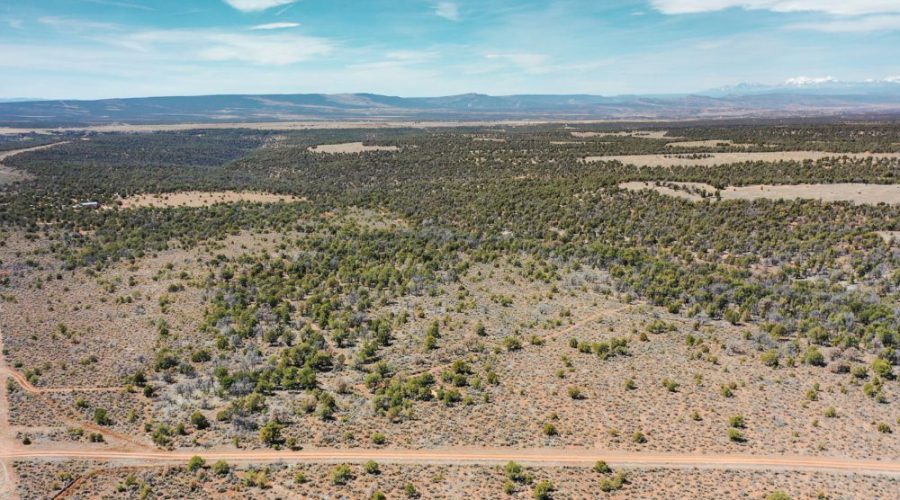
pixel 711 143
pixel 350 147
pixel 871 194
pixel 203 199
pixel 711 159
pixel 644 134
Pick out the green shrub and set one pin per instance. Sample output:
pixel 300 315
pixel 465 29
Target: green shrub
pixel 195 463
pixel 341 475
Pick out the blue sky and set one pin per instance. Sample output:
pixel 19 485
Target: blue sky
pixel 124 48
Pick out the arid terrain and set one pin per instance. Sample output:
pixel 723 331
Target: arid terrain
pixel 452 313
pixel 714 158
pixel 871 194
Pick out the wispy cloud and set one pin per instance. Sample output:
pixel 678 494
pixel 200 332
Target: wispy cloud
pixel 269 49
pixel 854 25
pixel 275 26
pixel 124 5
pixel 447 10
pixel 77 25
pixel 532 63
pixel 835 7
pixel 256 5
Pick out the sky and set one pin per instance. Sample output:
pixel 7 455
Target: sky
pixel 91 49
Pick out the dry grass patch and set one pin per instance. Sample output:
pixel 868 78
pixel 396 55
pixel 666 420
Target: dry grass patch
pixel 712 159
pixel 866 194
pixel 350 147
pixel 711 143
pixel 204 199
pixel 643 134
pixel 889 236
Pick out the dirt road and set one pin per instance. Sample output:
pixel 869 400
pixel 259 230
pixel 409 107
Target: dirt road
pixel 480 456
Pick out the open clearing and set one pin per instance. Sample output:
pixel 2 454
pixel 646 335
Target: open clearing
pixel 643 134
pixel 711 143
pixel 871 194
pixel 712 159
pixel 203 199
pixel 350 147
pixel 889 236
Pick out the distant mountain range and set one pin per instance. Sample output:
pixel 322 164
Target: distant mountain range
pixel 795 98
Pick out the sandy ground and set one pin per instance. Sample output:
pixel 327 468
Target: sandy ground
pixel 93 479
pixel 203 199
pixel 350 147
pixel 711 143
pixel 712 159
pixel 870 194
pixel 889 236
pixel 644 134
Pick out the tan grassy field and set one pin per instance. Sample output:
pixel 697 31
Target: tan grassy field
pixel 350 147
pixel 643 134
pixel 866 194
pixel 711 159
pixel 203 199
pixel 711 143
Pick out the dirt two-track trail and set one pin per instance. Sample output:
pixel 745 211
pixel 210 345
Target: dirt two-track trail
pixel 126 451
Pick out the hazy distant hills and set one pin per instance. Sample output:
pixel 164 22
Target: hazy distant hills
pixel 794 98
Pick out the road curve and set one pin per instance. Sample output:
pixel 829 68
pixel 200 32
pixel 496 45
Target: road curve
pixel 480 456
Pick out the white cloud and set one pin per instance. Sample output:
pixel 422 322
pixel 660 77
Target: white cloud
pixel 804 81
pixel 447 10
pixel 275 26
pixel 856 25
pixel 276 49
pixel 835 7
pixel 256 5
pixel 893 79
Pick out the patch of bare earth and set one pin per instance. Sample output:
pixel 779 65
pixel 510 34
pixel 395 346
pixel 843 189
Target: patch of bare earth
pixel 350 147
pixel 204 199
pixel 711 143
pixel 889 236
pixel 863 194
pixel 642 134
pixel 712 159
